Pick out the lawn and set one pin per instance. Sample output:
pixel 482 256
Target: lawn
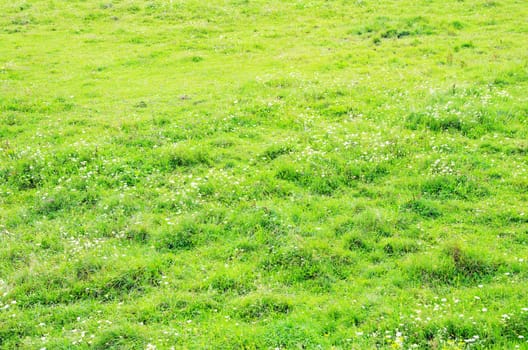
pixel 293 174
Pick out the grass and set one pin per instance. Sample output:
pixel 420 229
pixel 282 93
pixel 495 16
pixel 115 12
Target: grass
pixel 263 174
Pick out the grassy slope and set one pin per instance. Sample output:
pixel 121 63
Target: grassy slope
pixel 263 174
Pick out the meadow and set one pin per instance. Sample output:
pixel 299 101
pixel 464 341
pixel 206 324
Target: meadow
pixel 250 174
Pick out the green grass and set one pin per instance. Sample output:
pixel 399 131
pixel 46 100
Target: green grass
pixel 263 174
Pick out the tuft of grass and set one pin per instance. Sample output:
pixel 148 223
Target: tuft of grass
pixel 471 264
pixel 458 266
pixel 355 242
pixel 227 283
pixel 374 222
pixel 461 187
pixel 399 246
pixel 184 236
pixel 424 208
pixel 119 338
pixel 276 151
pixel 173 158
pixel 258 307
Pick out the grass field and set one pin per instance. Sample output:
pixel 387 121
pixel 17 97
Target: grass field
pixel 252 174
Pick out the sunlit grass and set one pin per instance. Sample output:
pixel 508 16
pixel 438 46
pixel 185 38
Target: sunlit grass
pixel 263 174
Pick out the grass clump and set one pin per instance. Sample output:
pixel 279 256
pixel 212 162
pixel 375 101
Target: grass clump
pixel 173 158
pixel 458 266
pixel 119 338
pixel 424 208
pixel 453 187
pixel 259 307
pixel 356 242
pixel 276 151
pixel 374 222
pixel 226 282
pixel 399 246
pixel 184 236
